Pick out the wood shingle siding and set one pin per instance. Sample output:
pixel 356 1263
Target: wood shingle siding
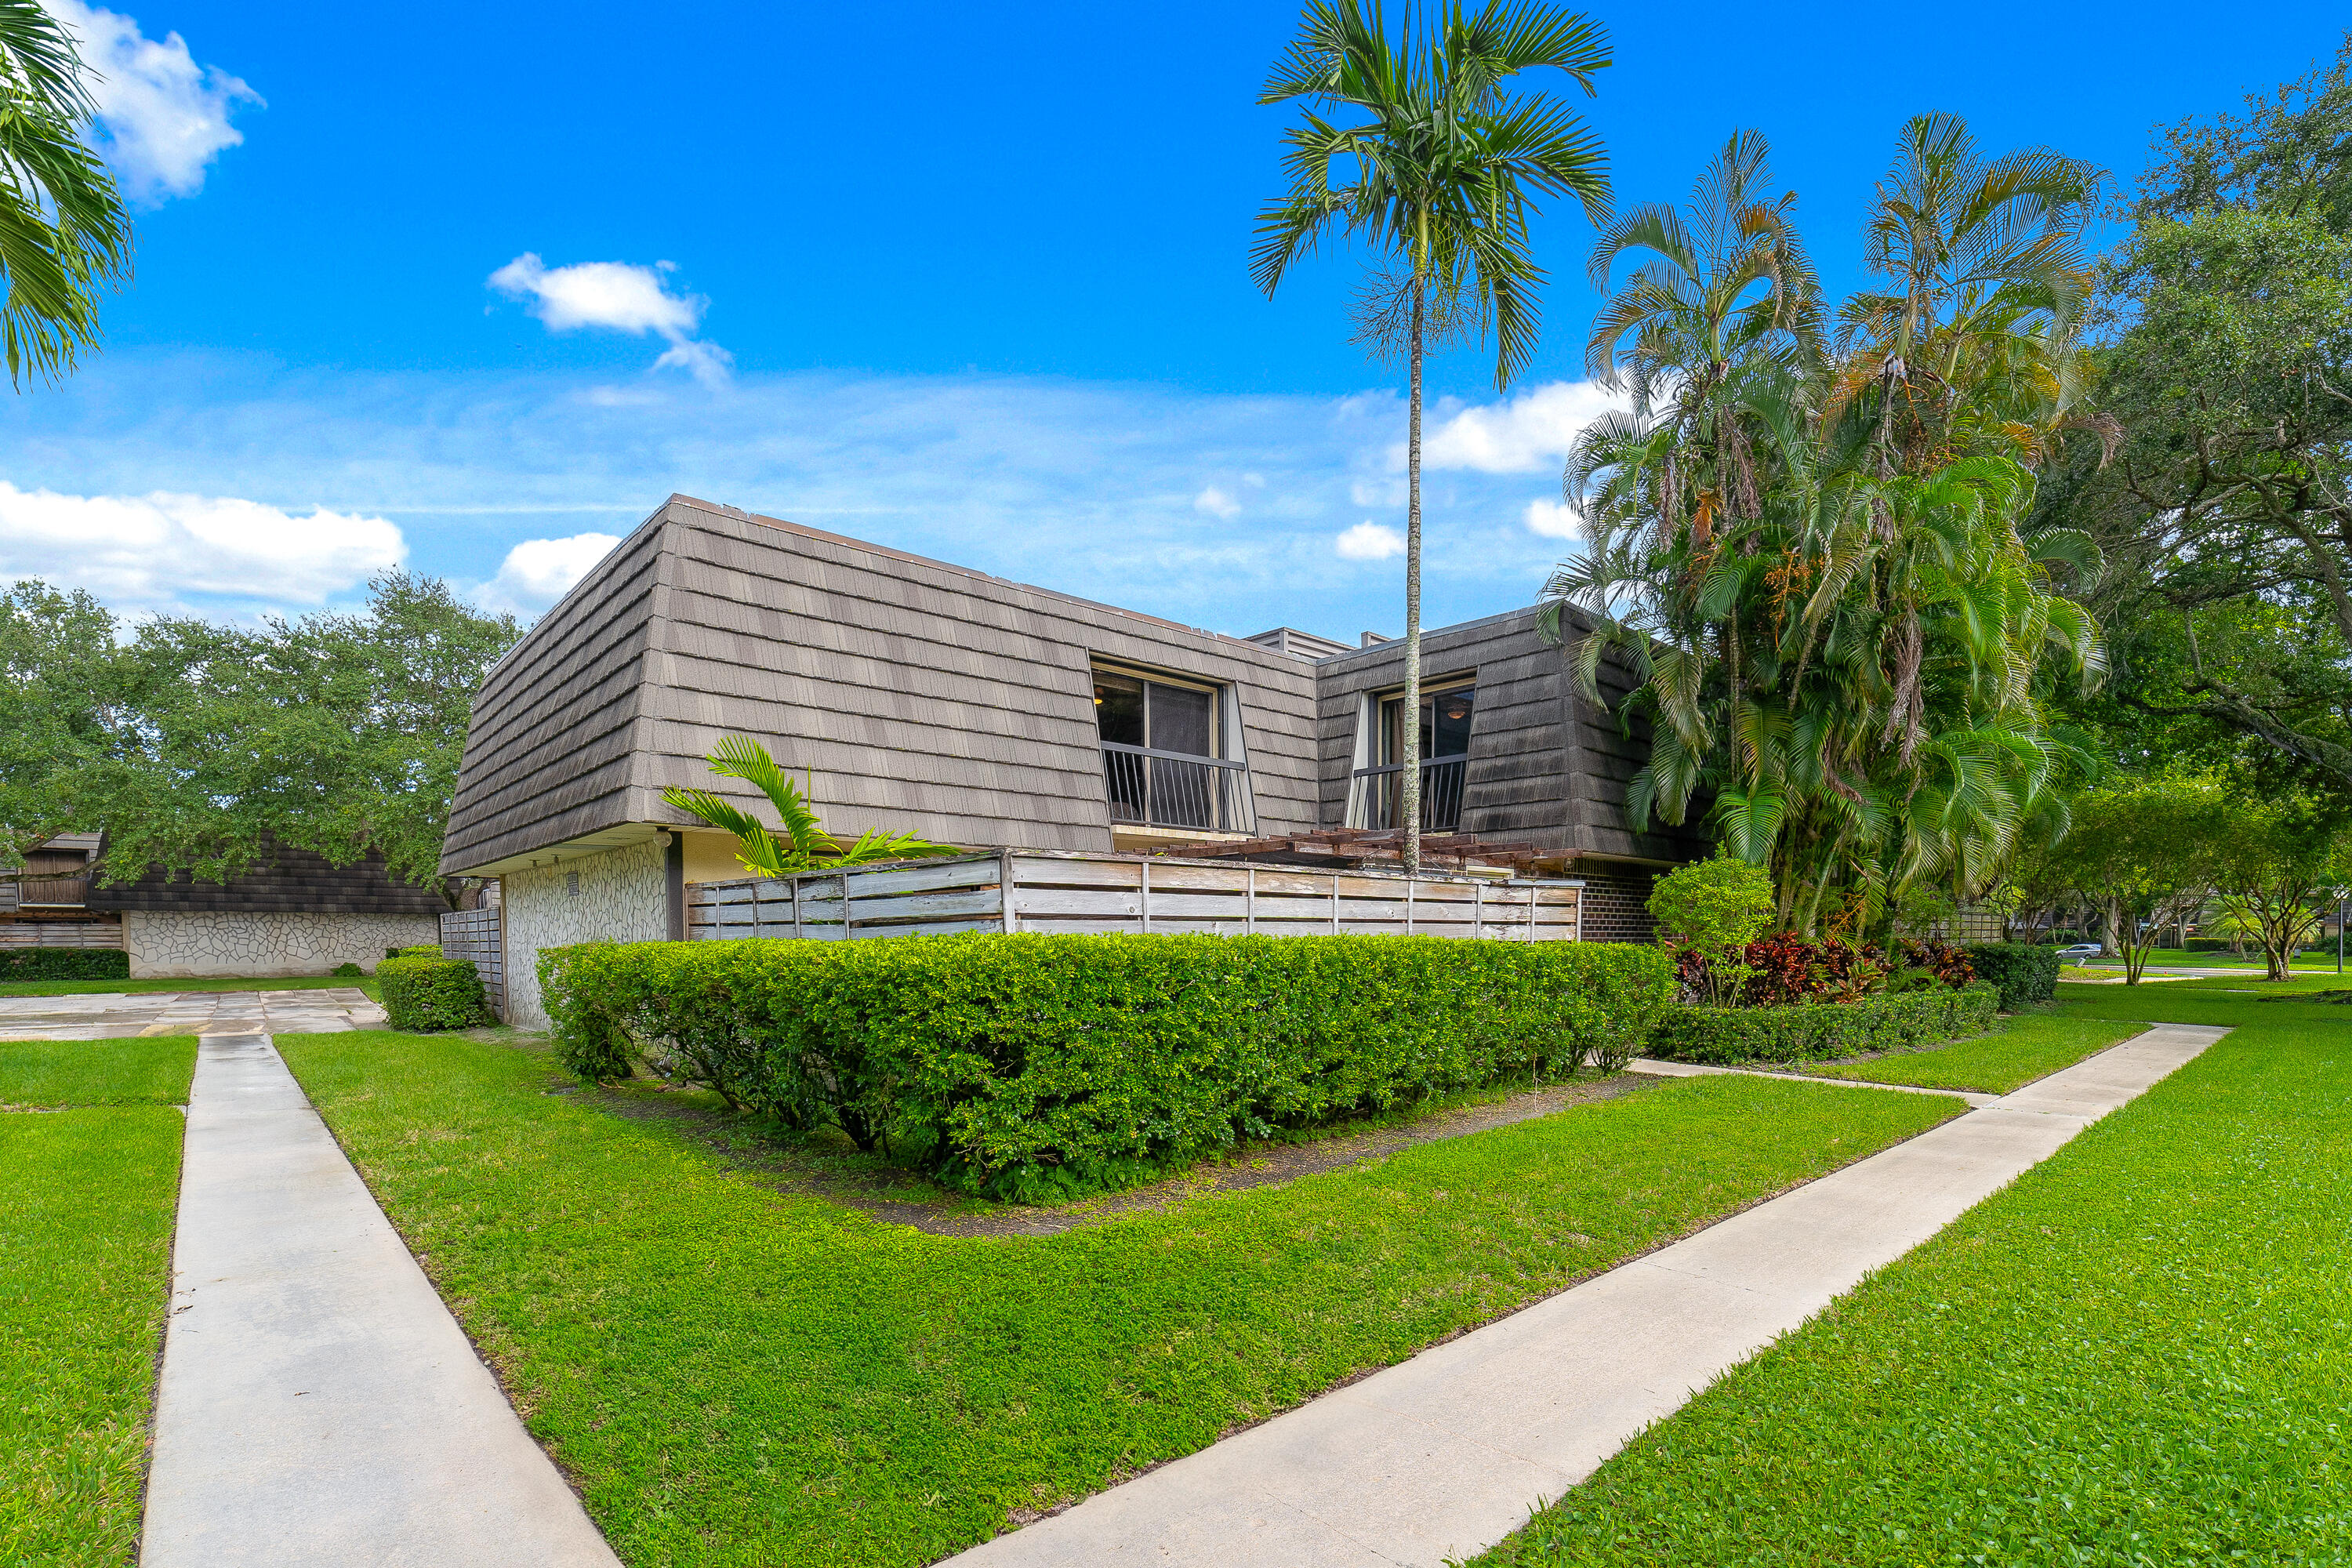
pixel 908 694
pixel 290 882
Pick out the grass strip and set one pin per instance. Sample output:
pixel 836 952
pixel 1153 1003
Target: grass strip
pixel 2033 1045
pixel 199 983
pixel 135 1071
pixel 86 1208
pixel 2139 1354
pixel 737 1375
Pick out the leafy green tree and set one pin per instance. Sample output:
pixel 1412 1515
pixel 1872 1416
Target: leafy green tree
pixel 2149 853
pixel 2282 865
pixel 2226 516
pixel 68 690
pixel 201 747
pixel 801 842
pixel 1715 908
pixel 64 236
pixel 1436 170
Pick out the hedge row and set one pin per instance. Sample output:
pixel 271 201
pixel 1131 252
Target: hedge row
pixel 1029 1066
pixel 432 993
pixel 2026 972
pixel 1811 1032
pixel 64 964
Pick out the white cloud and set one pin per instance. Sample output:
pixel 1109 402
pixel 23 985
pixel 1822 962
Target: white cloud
pixel 623 297
pixel 159 552
pixel 1531 431
pixel 1217 503
pixel 1553 519
pixel 163 117
pixel 538 572
pixel 1367 540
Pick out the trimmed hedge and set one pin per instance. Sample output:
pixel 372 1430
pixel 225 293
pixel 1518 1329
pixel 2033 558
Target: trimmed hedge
pixel 1031 1067
pixel 64 964
pixel 425 950
pixel 1724 1036
pixel 2026 972
pixel 425 994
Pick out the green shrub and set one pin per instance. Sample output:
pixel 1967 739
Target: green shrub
pixel 64 964
pixel 432 993
pixel 1711 911
pixel 424 950
pixel 2025 971
pixel 1725 1036
pixel 1031 1065
pixel 347 972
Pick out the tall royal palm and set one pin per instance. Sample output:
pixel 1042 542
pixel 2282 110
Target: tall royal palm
pixel 1436 169
pixel 63 233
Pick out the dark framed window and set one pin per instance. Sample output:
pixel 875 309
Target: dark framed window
pixel 1162 766
pixel 1445 719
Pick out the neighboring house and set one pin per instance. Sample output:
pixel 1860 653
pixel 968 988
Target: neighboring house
pixel 294 914
pixel 924 698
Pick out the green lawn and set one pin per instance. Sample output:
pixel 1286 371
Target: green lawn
pixel 138 1072
pixel 202 982
pixel 86 1206
pixel 733 1375
pixel 2139 1354
pixel 2033 1045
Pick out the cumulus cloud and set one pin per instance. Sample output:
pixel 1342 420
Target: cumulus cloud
pixel 1521 435
pixel 162 117
pixel 1367 540
pixel 623 297
pixel 163 550
pixel 1552 519
pixel 1217 503
pixel 538 572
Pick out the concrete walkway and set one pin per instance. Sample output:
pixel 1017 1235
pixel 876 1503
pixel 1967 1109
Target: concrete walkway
pixel 318 1405
pixel 1975 1101
pixel 1446 1454
pixel 117 1014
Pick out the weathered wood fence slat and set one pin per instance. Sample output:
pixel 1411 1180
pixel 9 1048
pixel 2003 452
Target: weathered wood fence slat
pixel 1058 891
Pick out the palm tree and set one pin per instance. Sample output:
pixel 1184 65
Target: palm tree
pixel 801 843
pixel 1437 170
pixel 63 232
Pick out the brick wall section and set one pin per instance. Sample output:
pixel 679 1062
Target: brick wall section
pixel 1614 900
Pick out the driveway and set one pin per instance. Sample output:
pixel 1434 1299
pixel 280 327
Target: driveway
pixel 113 1015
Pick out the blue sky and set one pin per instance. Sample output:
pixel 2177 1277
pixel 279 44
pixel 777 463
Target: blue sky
pixel 965 281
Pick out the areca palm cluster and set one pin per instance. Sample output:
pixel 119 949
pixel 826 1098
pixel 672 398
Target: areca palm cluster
pixel 1807 547
pixel 1414 146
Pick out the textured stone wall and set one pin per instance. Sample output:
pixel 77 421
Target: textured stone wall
pixel 169 944
pixel 618 896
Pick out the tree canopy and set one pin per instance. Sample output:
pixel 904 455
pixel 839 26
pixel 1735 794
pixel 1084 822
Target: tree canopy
pixel 198 746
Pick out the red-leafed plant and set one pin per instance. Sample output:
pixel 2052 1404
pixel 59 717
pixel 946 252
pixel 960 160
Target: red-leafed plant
pixel 1785 968
pixel 1948 964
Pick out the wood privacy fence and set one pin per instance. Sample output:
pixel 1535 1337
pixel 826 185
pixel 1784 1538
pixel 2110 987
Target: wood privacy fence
pixel 60 933
pixel 1059 891
pixel 474 934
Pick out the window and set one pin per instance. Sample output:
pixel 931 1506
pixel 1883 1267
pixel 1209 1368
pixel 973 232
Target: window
pixel 1378 798
pixel 1444 724
pixel 1161 767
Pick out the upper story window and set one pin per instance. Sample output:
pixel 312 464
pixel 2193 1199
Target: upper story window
pixel 1163 754
pixel 1377 798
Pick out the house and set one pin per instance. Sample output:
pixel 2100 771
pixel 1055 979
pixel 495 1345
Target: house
pixel 292 914
pixel 926 697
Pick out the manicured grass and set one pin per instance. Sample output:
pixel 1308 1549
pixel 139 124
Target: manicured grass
pixel 203 982
pixel 2139 1354
pixel 138 1072
pixel 86 1207
pixel 733 1375
pixel 2033 1045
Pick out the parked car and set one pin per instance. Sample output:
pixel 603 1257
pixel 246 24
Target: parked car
pixel 2079 951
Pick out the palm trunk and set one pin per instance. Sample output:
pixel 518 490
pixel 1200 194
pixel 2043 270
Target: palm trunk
pixel 1410 805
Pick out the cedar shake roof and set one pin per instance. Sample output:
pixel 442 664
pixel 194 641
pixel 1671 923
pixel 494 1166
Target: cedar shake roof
pixel 293 881
pixel 921 696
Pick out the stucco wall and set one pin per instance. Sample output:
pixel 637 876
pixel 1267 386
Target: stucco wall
pixel 167 944
pixel 617 896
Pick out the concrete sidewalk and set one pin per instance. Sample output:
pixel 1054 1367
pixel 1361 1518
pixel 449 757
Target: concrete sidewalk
pixel 117 1014
pixel 1446 1454
pixel 318 1405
